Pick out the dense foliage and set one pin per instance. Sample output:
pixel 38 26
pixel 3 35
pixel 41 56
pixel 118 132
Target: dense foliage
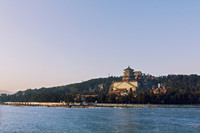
pixel 62 93
pixel 181 89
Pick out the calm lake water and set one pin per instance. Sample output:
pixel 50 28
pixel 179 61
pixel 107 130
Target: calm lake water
pixel 128 120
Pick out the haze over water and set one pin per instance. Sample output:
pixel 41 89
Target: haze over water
pixel 47 119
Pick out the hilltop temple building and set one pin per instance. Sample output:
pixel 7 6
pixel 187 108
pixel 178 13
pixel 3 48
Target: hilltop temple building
pixel 128 84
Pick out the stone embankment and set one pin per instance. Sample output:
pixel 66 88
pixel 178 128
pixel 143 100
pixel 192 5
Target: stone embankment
pixel 37 104
pixel 76 105
pixel 94 105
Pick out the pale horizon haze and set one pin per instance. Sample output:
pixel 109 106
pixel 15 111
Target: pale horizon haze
pixel 45 43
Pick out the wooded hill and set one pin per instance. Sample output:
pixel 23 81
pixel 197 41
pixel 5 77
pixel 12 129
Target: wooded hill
pixel 62 93
pixel 181 89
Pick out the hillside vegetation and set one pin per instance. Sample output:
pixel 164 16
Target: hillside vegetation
pixel 181 89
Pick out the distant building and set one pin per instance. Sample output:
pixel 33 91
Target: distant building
pixel 127 85
pixel 161 88
pixel 114 92
pixel 163 91
pixel 128 74
pixel 101 86
pixel 138 73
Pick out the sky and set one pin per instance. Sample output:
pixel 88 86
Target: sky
pixel 45 43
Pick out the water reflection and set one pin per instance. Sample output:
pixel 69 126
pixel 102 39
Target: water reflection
pixel 127 119
pixel 42 119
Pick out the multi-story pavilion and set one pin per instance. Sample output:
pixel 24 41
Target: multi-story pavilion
pixel 127 85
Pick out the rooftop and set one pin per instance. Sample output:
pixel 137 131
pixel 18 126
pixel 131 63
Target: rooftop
pixel 129 68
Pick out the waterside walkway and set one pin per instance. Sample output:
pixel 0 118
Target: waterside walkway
pixel 94 105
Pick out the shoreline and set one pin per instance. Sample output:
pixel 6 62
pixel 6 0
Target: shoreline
pixel 98 105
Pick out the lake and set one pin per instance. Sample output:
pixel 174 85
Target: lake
pixel 128 120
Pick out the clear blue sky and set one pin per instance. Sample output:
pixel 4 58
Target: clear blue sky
pixel 56 42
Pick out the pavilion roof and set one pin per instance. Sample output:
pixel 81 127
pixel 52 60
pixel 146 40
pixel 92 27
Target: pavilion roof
pixel 129 68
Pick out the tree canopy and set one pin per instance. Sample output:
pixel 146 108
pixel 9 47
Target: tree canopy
pixel 181 89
